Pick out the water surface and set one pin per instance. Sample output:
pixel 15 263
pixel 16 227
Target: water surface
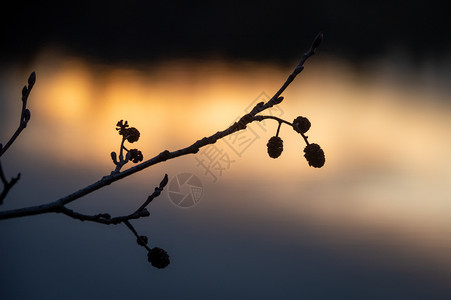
pixel 372 223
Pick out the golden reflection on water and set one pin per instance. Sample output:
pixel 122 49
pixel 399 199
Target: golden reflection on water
pixel 171 106
pixel 386 144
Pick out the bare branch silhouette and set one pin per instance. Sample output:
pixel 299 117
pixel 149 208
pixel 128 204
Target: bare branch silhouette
pixel 157 256
pixel 25 116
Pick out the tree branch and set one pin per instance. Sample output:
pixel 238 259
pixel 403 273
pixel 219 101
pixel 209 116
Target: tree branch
pixel 56 206
pixel 106 218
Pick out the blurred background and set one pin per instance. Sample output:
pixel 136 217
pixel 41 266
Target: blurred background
pixel 372 223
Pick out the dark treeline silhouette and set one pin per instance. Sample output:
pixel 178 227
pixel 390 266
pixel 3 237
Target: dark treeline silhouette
pixel 116 31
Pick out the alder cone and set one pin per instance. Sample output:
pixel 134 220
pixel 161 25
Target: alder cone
pixel 158 258
pixel 314 155
pixel 301 124
pixel 275 147
pixel 132 134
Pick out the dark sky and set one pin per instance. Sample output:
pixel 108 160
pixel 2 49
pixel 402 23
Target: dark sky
pixel 116 31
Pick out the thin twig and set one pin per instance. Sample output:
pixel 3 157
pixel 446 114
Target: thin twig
pixel 138 237
pixel 102 218
pixel 155 194
pixel 7 185
pixel 261 118
pixel 24 115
